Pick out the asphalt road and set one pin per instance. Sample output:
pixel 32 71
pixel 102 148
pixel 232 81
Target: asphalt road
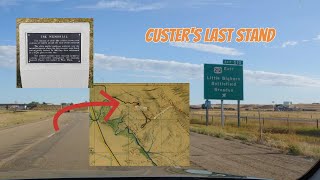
pixel 235 157
pixel 35 150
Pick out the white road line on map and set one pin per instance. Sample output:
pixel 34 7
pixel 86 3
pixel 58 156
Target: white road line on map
pixel 159 114
pixel 141 108
pixel 51 135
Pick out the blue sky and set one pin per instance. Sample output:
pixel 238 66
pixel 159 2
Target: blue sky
pixel 285 69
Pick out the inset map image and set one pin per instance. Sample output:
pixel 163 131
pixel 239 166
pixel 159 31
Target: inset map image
pixel 150 127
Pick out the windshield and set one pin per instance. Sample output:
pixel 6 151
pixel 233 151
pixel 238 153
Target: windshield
pixel 126 88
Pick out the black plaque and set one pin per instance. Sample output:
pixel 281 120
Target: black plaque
pixel 54 47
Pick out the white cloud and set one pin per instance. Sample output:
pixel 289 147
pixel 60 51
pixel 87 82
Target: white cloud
pixel 175 69
pixel 289 43
pixel 200 3
pixel 164 68
pixel 317 37
pixel 124 5
pixel 150 76
pixel 7 56
pixel 211 48
pixel 8 3
pixel 48 1
pixel 294 43
pixel 5 3
pixel 280 79
pixel 172 69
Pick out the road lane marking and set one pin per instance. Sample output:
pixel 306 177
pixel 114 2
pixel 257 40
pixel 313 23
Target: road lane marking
pixel 21 151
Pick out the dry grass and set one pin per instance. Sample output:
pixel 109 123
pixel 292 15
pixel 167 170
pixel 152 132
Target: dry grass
pixel 297 138
pixel 10 118
pixel 268 114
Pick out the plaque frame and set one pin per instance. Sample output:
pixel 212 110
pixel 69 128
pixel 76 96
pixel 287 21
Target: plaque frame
pixel 20 21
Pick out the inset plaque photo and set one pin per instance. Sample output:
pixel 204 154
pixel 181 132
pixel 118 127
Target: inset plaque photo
pixel 54 52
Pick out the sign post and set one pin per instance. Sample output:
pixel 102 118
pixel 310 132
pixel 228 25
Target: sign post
pixel 233 62
pixel 237 63
pixel 207 114
pixel 238 108
pixel 224 82
pixel 222 114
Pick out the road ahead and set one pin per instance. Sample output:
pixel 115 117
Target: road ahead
pixel 35 150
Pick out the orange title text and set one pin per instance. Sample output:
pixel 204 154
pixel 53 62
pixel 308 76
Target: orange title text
pixel 209 35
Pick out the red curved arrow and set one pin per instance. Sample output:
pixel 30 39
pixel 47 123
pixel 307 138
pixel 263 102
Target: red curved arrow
pixel 111 102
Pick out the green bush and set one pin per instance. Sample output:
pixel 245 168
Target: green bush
pixel 241 137
pixel 219 135
pixel 294 149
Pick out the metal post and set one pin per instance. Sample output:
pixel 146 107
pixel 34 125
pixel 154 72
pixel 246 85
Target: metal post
pixel 288 122
pixel 317 123
pixel 207 114
pixel 222 114
pixel 260 125
pixel 238 113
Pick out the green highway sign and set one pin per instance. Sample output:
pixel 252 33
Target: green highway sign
pixel 223 82
pixel 233 62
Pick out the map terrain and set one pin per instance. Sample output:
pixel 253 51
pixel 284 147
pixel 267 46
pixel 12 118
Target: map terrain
pixel 150 127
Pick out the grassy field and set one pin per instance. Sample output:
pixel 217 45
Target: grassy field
pixel 10 118
pixel 297 138
pixel 42 107
pixel 274 114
